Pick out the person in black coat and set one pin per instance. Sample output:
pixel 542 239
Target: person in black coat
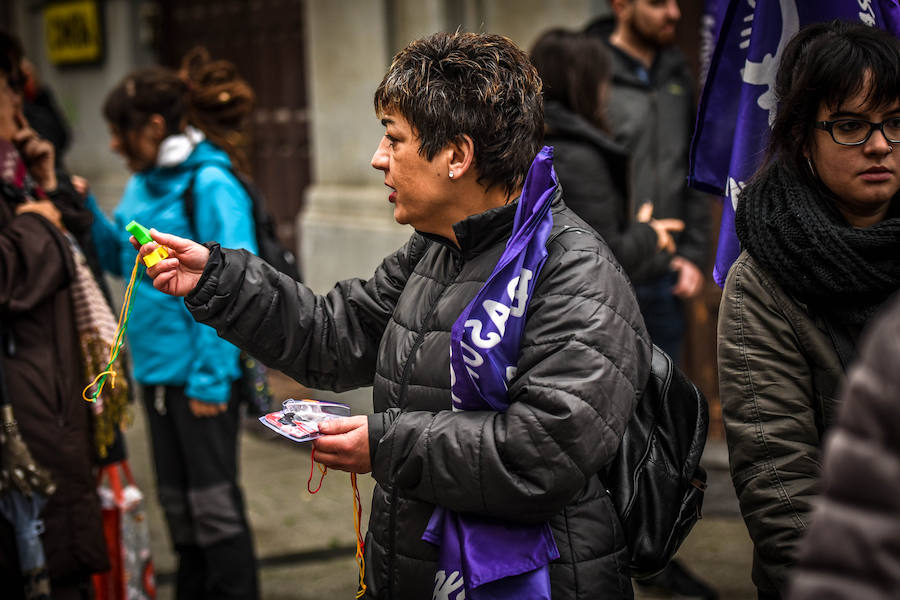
pixel 592 167
pixel 462 115
pixel 43 113
pixel 43 363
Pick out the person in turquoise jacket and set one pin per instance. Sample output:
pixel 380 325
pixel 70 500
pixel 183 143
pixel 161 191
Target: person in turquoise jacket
pixel 180 134
pixel 222 210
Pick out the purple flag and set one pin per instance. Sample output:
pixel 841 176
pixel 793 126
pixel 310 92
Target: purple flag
pixel 481 558
pixel 737 106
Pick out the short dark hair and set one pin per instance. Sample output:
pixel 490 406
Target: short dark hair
pixel 573 66
pixel 827 63
pixel 482 85
pixel 11 60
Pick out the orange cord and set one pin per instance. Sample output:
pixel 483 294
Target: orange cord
pixel 360 544
pixel 357 517
pixel 322 468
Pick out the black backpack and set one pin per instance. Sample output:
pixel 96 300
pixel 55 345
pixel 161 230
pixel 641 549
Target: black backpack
pixel 270 248
pixel 253 386
pixel 655 481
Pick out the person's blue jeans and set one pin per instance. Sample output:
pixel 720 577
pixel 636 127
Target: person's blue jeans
pixel 663 313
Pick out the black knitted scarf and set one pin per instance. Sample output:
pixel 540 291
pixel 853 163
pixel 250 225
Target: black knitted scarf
pixel 797 234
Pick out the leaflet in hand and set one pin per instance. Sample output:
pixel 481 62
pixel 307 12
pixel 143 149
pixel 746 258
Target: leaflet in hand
pixel 298 420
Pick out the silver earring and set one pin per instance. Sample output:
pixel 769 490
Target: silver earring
pixel 451 174
pixel 890 148
pixel 812 169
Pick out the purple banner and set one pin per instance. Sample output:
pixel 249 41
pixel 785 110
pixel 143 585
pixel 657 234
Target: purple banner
pixel 737 106
pixel 484 340
pixel 481 558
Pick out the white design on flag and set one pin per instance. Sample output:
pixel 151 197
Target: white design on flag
pixel 763 73
pixel 745 33
pixel 734 190
pixel 867 17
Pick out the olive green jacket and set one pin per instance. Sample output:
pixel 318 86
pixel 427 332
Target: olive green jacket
pixel 778 378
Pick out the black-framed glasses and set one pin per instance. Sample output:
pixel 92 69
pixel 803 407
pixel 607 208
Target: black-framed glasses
pixel 853 132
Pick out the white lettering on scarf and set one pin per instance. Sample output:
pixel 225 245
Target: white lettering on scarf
pixel 445 586
pixel 499 313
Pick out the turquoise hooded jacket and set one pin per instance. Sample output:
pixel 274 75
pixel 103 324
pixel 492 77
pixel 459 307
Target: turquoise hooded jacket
pixel 167 346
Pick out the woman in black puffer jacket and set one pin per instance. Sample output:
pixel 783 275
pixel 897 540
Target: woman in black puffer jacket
pixel 462 114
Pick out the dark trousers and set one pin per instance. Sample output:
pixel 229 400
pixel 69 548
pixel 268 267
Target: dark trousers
pixel 663 313
pixel 12 586
pixel 196 475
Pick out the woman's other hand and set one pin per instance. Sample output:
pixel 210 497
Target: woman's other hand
pixel 202 409
pixel 664 228
pixel 80 184
pixel 45 208
pixel 690 278
pixel 344 444
pixel 39 155
pixel 178 274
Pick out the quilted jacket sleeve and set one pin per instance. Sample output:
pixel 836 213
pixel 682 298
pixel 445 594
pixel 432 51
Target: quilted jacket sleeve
pixel 584 356
pixel 326 342
pixel 766 390
pixel 851 549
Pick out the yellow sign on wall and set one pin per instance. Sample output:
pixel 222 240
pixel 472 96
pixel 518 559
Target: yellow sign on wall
pixel 73 32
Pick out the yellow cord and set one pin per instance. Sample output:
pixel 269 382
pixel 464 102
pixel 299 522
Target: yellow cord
pixel 360 545
pixel 100 380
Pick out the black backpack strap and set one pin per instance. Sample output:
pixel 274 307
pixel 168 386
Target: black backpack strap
pixel 564 229
pixel 189 207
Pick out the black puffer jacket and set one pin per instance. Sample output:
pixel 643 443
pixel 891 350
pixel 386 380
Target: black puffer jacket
pixel 593 171
pixel 584 356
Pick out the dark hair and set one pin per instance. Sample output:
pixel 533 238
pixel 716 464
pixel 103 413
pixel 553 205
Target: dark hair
pixel 452 84
pixel 573 66
pixel 207 94
pixel 827 63
pixel 11 60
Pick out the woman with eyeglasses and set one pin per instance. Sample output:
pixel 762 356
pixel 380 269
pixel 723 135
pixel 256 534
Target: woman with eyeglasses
pixel 819 226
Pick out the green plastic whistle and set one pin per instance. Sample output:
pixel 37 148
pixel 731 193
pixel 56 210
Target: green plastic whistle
pixel 142 235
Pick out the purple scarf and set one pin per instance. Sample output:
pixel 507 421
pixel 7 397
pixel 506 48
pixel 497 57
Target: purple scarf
pixel 482 558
